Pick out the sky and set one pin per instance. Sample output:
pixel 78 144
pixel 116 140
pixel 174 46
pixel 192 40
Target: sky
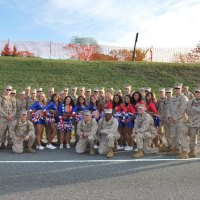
pixel 160 23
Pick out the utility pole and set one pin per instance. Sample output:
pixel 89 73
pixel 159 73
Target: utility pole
pixel 136 38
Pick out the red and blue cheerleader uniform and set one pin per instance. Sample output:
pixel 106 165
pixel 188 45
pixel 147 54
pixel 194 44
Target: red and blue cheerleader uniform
pixel 65 123
pixel 129 115
pixel 118 114
pixel 151 109
pixel 78 112
pixel 51 117
pixel 37 117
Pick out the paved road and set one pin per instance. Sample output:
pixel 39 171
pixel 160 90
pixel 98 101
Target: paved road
pixel 62 174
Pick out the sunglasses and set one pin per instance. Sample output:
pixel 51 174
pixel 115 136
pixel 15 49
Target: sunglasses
pixel 13 93
pixel 8 89
pixel 197 92
pixel 177 88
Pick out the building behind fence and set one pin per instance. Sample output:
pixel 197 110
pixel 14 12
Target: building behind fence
pixel 54 50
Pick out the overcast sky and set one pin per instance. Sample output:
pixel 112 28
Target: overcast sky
pixel 160 23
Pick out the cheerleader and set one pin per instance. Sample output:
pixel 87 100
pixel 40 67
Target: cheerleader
pixel 51 118
pixel 137 100
pixel 118 108
pixel 65 124
pixel 36 111
pixel 108 101
pixel 129 123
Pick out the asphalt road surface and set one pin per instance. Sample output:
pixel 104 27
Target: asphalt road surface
pixel 62 175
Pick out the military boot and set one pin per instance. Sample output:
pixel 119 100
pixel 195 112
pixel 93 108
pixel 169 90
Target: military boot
pixel 183 155
pixel 192 154
pixel 92 151
pixel 29 150
pixel 2 146
pixel 110 153
pixel 174 152
pixel 138 154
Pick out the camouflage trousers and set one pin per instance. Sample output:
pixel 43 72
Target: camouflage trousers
pixel 4 128
pixel 83 143
pixel 144 141
pixel 18 143
pixel 107 141
pixel 167 133
pixel 161 133
pixel 193 133
pixel 179 134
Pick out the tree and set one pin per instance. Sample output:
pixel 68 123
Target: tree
pixel 192 57
pixel 82 48
pixel 6 50
pixel 126 55
pixel 14 51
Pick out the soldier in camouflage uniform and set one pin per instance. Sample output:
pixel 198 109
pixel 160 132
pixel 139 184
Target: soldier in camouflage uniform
pixel 87 96
pixel 27 92
pixel 144 131
pixel 21 103
pixel 187 93
pixel 177 117
pixel 86 130
pixel 7 115
pixel 166 103
pixel 160 108
pixel 107 133
pixel 193 111
pixel 22 130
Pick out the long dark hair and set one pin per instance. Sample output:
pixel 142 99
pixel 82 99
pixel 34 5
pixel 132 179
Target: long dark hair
pixel 54 95
pixel 120 100
pixel 129 96
pixel 134 102
pixel 91 103
pixel 72 101
pixel 78 101
pixel 154 99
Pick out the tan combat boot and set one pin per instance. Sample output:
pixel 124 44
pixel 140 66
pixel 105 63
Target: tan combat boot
pixel 174 152
pixel 138 154
pixel 183 155
pixel 29 150
pixel 110 153
pixel 92 151
pixel 192 154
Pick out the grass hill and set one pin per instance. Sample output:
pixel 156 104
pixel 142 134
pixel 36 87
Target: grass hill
pixel 36 72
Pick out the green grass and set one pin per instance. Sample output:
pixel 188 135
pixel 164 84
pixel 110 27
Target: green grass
pixel 36 72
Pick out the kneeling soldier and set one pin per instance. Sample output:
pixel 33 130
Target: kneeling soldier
pixel 145 131
pixel 22 130
pixel 107 133
pixel 86 130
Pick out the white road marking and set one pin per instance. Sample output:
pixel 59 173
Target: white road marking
pixel 153 159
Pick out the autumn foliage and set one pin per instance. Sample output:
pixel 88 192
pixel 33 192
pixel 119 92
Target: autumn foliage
pixel 192 57
pixel 8 52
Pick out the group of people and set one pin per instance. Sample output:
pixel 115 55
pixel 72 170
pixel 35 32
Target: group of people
pixel 104 120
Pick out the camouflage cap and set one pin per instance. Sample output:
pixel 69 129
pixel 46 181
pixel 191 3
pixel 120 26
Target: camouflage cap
pixel 128 86
pixel 88 90
pixel 23 112
pixel 8 87
pixel 39 90
pixel 108 111
pixel 13 91
pixel 102 89
pixel 168 90
pixel 87 112
pixel 73 88
pixel 51 89
pixel 28 87
pixel 111 89
pixel 82 88
pixel 147 89
pixel 33 91
pixel 22 93
pixel 178 85
pixel 141 89
pixel 65 89
pixel 161 89
pixel 197 88
pixel 95 90
pixel 141 106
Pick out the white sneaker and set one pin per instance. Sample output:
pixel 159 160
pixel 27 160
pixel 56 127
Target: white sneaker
pixel 136 149
pixel 96 146
pixel 61 146
pixel 50 146
pixel 40 147
pixel 128 148
pixel 119 147
pixel 68 146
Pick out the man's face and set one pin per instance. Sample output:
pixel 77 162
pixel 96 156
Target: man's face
pixel 141 111
pixel 8 91
pixel 162 94
pixel 23 117
pixel 197 95
pixel 87 118
pixel 177 90
pixel 108 116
